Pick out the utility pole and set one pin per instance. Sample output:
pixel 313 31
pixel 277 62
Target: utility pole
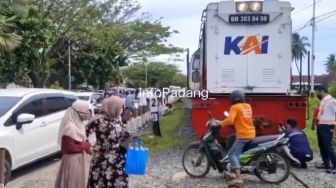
pixel 69 63
pixel 309 88
pixel 300 88
pixel 313 47
pixel 188 68
pixel 146 72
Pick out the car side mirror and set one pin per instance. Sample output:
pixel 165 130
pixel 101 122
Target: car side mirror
pixel 226 114
pixel 195 76
pixel 24 119
pixel 196 62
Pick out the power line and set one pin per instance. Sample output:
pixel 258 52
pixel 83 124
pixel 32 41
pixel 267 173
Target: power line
pixel 325 15
pixel 304 26
pixel 330 14
pixel 305 8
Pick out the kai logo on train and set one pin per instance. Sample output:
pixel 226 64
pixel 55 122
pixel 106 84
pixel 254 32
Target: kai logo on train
pixel 242 45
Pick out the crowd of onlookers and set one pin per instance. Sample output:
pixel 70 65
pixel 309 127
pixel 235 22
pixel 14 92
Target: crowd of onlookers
pixel 112 137
pixel 138 100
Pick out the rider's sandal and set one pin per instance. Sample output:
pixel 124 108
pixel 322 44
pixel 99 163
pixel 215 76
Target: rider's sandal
pixel 230 175
pixel 236 181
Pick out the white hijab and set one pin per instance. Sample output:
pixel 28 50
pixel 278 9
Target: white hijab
pixel 71 124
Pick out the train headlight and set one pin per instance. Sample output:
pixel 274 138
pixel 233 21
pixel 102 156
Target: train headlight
pixel 242 6
pixel 255 6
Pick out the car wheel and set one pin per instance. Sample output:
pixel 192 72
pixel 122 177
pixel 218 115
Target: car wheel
pixel 7 171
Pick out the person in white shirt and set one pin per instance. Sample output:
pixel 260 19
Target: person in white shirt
pixel 326 129
pixel 142 96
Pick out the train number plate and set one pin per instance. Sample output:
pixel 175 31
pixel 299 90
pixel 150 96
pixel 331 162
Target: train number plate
pixel 249 18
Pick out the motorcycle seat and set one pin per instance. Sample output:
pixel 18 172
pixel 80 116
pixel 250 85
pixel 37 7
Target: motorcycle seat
pixel 259 140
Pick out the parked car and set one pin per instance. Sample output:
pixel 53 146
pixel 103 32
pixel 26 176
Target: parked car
pixel 117 91
pixel 29 123
pixel 93 99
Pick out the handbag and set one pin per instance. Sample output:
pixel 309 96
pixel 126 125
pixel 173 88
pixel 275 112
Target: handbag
pixel 136 158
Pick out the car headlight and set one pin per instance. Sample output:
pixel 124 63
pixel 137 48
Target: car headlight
pixel 255 6
pixel 242 6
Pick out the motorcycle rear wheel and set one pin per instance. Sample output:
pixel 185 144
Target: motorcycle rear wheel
pixel 191 156
pixel 264 166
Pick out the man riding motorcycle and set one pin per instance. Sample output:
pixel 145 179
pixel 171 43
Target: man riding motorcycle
pixel 240 117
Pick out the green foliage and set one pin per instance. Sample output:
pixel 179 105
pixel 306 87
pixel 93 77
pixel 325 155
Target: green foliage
pixel 102 36
pixel 299 48
pixel 312 138
pixel 179 79
pixel 56 85
pixel 158 75
pixel 299 45
pixel 332 89
pixel 169 126
pixel 331 63
pixel 9 11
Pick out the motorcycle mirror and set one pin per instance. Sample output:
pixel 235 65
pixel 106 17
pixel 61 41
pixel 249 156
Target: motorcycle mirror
pixel 226 113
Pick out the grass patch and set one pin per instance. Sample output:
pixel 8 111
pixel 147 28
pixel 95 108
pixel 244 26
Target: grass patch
pixel 169 126
pixel 312 137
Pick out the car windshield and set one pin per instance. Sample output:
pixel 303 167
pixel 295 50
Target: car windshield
pixel 7 103
pixel 85 98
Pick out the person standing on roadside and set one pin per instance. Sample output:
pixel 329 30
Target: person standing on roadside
pixel 74 143
pixel 326 129
pixel 155 114
pixel 107 169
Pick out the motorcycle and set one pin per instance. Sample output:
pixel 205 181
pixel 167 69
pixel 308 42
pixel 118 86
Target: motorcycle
pixel 263 156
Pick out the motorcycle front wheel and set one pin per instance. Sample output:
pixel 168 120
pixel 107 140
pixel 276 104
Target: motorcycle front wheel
pixel 272 167
pixel 194 161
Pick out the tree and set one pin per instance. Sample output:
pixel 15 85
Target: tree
pixel 9 11
pixel 103 36
pixel 332 89
pixel 331 63
pixel 159 75
pixel 299 45
pixel 180 79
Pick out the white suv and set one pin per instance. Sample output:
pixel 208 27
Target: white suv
pixel 29 122
pixel 92 99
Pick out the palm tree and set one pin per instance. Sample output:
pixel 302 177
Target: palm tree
pixel 299 45
pixel 9 40
pixel 331 63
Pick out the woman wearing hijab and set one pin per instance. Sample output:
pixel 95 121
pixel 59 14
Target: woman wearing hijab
pixel 73 141
pixel 107 165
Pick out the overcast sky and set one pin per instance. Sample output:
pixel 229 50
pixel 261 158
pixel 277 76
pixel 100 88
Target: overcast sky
pixel 184 16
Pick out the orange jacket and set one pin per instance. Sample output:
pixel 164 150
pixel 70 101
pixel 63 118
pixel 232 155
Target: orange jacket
pixel 241 117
